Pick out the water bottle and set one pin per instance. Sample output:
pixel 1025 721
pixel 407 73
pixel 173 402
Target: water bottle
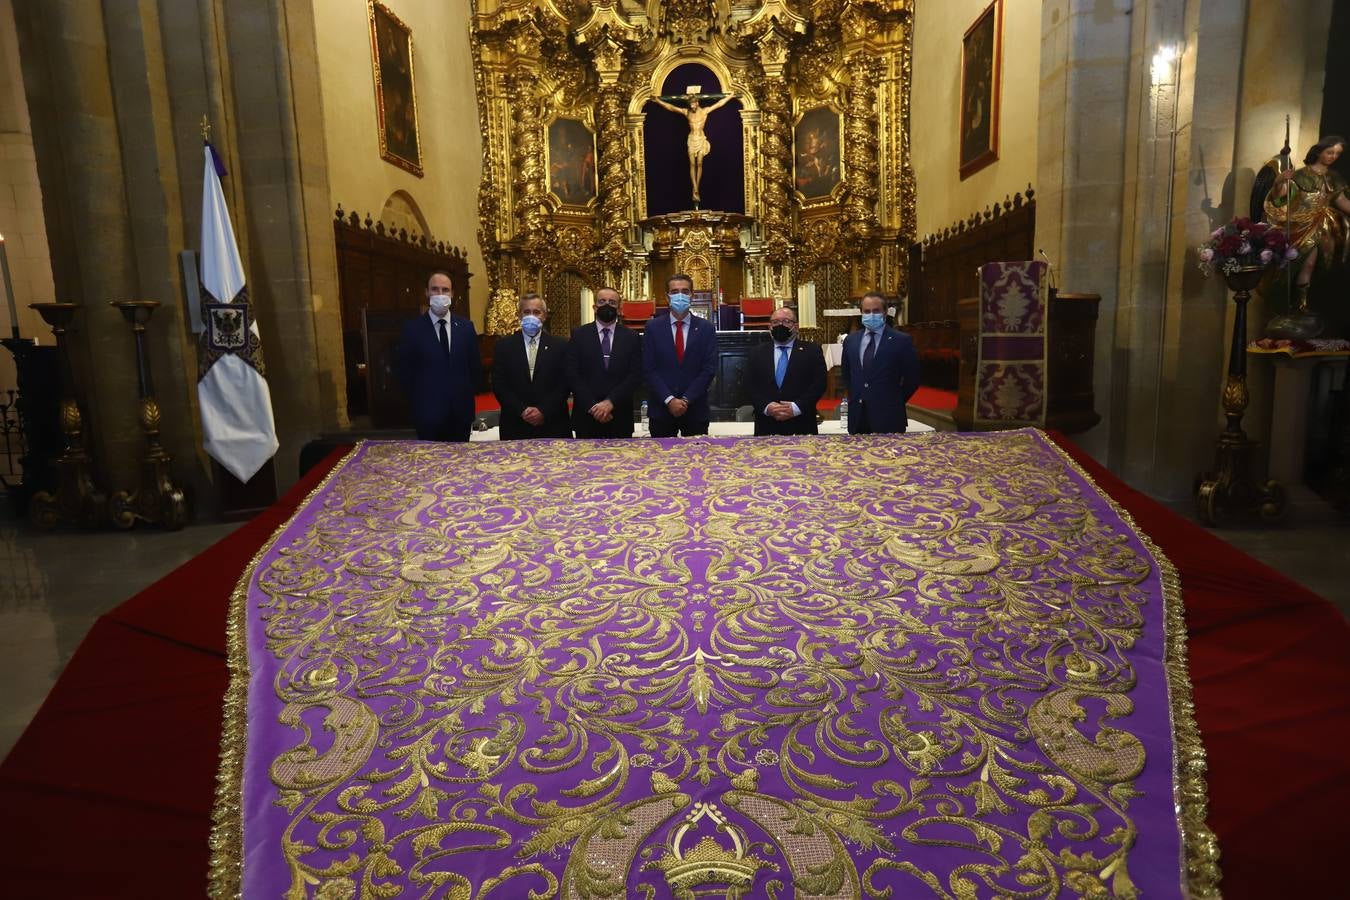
pixel 843 416
pixel 642 416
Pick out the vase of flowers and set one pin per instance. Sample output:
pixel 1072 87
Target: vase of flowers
pixel 1243 247
pixel 1245 252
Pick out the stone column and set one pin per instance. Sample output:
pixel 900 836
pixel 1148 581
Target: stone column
pixel 292 266
pixel 1085 78
pixel 68 79
pixel 21 218
pixel 121 88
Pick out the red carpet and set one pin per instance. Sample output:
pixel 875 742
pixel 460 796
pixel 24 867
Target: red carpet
pixel 932 398
pixel 109 792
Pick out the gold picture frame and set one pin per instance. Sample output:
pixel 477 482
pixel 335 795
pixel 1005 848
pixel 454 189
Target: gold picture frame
pixel 818 155
pixel 570 157
pixel 981 89
pixel 391 51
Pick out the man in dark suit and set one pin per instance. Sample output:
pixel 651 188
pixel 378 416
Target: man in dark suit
pixel 787 378
pixel 439 367
pixel 529 377
pixel 604 368
pixel 881 369
pixel 679 359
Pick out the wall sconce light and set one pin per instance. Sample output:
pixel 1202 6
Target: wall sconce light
pixel 1163 61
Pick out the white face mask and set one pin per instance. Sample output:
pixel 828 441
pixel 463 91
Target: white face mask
pixel 439 303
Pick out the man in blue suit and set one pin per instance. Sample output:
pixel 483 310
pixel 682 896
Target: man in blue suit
pixel 881 369
pixel 439 367
pixel 679 360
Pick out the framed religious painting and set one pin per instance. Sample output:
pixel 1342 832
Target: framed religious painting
pixel 571 162
pixel 391 48
pixel 981 67
pixel 818 164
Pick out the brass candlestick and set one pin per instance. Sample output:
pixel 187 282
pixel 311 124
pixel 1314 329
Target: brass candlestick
pixel 77 501
pixel 157 499
pixel 1230 488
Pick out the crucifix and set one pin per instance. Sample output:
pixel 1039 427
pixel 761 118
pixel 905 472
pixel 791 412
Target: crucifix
pixel 697 114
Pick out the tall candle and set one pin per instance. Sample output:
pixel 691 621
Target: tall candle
pixel 9 288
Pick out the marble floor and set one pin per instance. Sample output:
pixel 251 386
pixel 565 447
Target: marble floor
pixel 54 586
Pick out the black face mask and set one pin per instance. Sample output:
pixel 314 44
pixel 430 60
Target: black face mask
pixel 781 333
pixel 606 313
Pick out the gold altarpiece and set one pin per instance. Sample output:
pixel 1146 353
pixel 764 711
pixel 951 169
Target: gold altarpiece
pixel 599 62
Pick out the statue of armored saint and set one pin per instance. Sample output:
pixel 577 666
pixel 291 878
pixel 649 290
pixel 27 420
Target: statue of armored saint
pixel 697 115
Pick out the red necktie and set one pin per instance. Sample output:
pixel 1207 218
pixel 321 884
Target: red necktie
pixel 679 341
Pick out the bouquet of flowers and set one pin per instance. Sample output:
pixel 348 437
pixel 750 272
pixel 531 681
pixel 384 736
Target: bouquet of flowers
pixel 1243 244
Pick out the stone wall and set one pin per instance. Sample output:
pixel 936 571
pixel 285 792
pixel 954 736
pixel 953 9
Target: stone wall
pixel 1154 117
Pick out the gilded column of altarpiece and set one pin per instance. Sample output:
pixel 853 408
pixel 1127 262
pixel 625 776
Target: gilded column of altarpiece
pixel 538 62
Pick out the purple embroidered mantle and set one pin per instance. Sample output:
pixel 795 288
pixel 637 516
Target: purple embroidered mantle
pixel 1010 372
pixel 820 667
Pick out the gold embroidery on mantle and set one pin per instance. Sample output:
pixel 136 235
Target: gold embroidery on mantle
pixel 549 542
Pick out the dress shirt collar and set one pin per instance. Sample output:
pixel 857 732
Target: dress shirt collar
pixel 788 345
pixel 435 318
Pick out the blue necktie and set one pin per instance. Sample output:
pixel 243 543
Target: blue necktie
pixel 780 372
pixel 870 351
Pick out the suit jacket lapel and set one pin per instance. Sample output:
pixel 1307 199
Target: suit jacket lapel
pixel 517 351
pixel 796 359
pixel 665 336
pixel 689 336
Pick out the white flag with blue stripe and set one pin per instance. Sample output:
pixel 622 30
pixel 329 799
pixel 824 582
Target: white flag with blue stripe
pixel 236 405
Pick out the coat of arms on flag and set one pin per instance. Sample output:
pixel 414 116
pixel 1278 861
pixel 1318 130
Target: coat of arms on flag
pixel 236 404
pixel 227 326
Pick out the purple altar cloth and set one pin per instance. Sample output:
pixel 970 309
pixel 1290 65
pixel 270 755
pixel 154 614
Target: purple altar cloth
pixel 790 667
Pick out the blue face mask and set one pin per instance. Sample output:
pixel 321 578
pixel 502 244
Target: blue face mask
pixel 531 325
pixel 679 304
pixel 873 321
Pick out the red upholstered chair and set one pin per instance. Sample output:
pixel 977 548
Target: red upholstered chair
pixel 635 313
pixel 755 312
